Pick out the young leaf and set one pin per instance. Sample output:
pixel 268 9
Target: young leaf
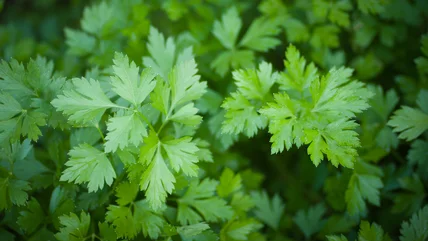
pixel 364 185
pixel 310 222
pixel 162 53
pixel 127 81
pixel 239 229
pixel 157 180
pixel 73 227
pixel 372 232
pixel 199 203
pixel 30 219
pixel 126 192
pixel 88 164
pixel 13 191
pixel 411 122
pixel 192 230
pixel 412 196
pixel 241 116
pixel 185 84
pixel 416 227
pixel 228 29
pixel 182 155
pixel 260 36
pixel 124 130
pixel 85 102
pixel 268 211
pixel 229 183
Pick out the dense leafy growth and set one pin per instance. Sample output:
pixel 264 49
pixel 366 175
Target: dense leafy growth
pixel 214 120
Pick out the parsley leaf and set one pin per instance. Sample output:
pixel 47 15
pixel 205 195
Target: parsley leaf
pixel 127 81
pixel 228 29
pixel 124 130
pixel 85 102
pixel 73 227
pixel 316 110
pixel 229 183
pixel 239 229
pixel 412 197
pixel 157 179
pixel 129 222
pixel 88 164
pixel 364 185
pixel 268 211
pixel 259 37
pixel 416 227
pixel 31 217
pixel 13 191
pixel 199 203
pixel 411 122
pixel 311 221
pixel 372 232
pixel 253 90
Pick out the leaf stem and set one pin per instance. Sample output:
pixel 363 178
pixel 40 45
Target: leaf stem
pixel 101 133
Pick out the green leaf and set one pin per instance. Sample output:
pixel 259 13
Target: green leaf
pixel 298 74
pixel 9 107
pixel 192 230
pixel 412 196
pixel 364 185
pixel 255 84
pixel 411 122
pixel 311 221
pixel 73 227
pixel 239 229
pixel 98 19
pixel 336 238
pixel 418 155
pixel 162 53
pixel 88 164
pixel 241 203
pixel 371 6
pixel 199 203
pixel 13 191
pixel 107 232
pixel 241 116
pixel 85 102
pixel 372 232
pixel 13 76
pixel 232 59
pixel 268 211
pixel 30 219
pixel 157 179
pixel 127 81
pixel 187 115
pixel 282 121
pixel 121 218
pixel 337 140
pixel 182 155
pixel 416 228
pixel 150 222
pixel 129 222
pixel 325 36
pixel 260 36
pixel 78 42
pixel 229 183
pixel 228 29
pixel 185 84
pixel 126 192
pixel 123 131
pixel 336 95
pixel 295 30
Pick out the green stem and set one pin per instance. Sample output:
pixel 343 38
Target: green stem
pixel 101 133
